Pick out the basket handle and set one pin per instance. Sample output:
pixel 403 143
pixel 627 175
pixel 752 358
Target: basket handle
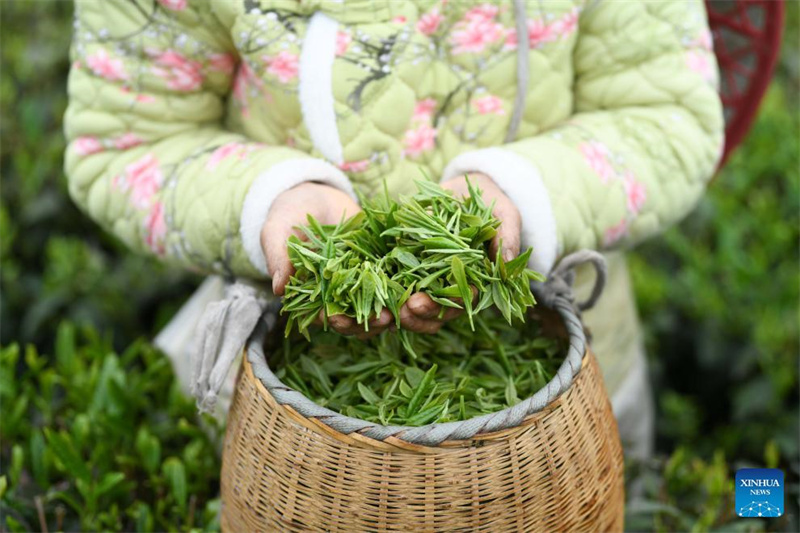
pixel 559 282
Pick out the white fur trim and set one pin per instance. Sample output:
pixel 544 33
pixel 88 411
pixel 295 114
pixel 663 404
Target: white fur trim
pixel 521 182
pixel 316 86
pixel 266 187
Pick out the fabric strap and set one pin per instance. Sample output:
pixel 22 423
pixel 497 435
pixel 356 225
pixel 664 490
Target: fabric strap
pixel 222 333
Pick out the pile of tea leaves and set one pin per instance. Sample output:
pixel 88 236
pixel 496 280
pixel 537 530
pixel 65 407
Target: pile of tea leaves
pixel 431 242
pixel 457 374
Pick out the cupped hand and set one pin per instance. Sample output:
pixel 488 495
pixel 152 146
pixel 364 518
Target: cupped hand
pixel 420 313
pixel 289 210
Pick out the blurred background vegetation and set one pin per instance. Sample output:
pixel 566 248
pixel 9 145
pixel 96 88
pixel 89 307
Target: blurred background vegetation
pixel 95 436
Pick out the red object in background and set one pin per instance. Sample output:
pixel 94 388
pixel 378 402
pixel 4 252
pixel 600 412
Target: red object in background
pixel 747 40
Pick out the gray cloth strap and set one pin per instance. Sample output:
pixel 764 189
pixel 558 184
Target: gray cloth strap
pixel 222 333
pixel 523 65
pixel 555 293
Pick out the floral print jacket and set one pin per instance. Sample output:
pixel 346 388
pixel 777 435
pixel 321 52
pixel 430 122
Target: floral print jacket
pixel 188 117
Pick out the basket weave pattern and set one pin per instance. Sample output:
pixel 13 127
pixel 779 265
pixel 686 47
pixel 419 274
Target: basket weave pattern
pixel 560 470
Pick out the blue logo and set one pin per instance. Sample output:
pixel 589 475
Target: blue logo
pixel 759 492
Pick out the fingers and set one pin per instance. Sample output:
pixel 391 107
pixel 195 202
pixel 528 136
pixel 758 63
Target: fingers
pixel 412 322
pixel 273 242
pixel 504 209
pixel 509 231
pixel 346 325
pixel 421 305
pixel 343 207
pixel 289 210
pixel 421 314
pixel 425 308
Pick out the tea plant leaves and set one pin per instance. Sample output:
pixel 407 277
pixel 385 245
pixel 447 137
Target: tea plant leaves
pixel 416 379
pixel 432 242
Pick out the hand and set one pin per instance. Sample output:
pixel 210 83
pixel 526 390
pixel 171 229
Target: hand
pixel 420 313
pixel 290 209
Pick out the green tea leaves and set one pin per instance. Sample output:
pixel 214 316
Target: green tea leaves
pixel 368 394
pixel 432 242
pixel 460 278
pixel 456 373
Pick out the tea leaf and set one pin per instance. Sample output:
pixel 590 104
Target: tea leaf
pixel 463 287
pixel 456 373
pixel 431 242
pixel 368 394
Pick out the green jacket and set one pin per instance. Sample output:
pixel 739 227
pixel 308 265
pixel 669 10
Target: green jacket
pixel 188 117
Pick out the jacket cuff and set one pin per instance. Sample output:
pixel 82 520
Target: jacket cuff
pixel 268 185
pixel 522 183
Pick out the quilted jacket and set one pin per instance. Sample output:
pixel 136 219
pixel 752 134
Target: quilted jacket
pixel 600 119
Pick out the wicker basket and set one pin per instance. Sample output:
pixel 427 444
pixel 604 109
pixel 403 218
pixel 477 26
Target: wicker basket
pixel 551 463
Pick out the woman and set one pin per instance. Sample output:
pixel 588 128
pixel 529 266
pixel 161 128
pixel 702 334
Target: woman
pixel 203 131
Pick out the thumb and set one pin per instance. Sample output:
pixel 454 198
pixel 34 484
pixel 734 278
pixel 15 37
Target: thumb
pixel 509 231
pixel 276 251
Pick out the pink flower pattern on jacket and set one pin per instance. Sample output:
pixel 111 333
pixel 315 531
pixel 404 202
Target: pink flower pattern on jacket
pixel 700 63
pixel 477 30
pixel 489 104
pixel 423 110
pixel 180 73
pixel 283 65
pixel 596 155
pixel 87 145
pixel 142 180
pixel 354 166
pixel 567 24
pixel 155 229
pixel 225 63
pixel 421 136
pixel 418 140
pixel 540 32
pixel 127 140
pixel 705 40
pixel 245 78
pixel 482 13
pixel 635 193
pixel 615 232
pixel 143 98
pixel 232 149
pixel 106 67
pixel 343 40
pixel 429 22
pixel 174 5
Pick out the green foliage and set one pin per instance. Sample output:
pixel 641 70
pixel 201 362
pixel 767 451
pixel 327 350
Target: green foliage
pixel 56 263
pixel 719 296
pixel 97 441
pixel 458 373
pixel 688 494
pixel 431 242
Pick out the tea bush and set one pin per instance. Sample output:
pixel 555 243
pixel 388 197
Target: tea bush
pixel 95 441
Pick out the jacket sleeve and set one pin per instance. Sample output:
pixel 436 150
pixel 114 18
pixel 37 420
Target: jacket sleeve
pixel 644 139
pixel 149 157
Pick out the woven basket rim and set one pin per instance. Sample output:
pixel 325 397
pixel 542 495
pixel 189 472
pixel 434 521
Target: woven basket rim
pixel 430 434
